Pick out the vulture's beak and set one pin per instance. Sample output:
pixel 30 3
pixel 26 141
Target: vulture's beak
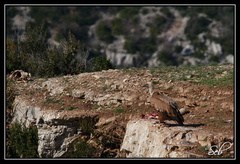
pixel 145 85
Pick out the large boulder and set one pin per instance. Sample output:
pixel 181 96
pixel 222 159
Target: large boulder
pixel 147 138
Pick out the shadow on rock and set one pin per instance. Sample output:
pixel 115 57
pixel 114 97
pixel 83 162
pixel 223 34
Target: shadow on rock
pixel 185 125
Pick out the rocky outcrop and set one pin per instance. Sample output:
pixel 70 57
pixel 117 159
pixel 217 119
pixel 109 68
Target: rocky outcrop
pixel 104 109
pixel 146 138
pixel 56 129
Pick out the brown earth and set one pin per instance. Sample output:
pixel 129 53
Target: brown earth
pixel 211 108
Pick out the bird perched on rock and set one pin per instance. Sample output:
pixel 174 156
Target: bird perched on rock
pixel 167 108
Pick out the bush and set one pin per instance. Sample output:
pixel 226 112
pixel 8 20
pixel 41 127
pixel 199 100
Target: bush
pixel 147 45
pixel 36 56
pixel 129 12
pixel 35 42
pixel 69 58
pixel 82 149
pixel 167 13
pixel 117 26
pixel 142 45
pixel 131 46
pixel 31 52
pixel 73 57
pixel 101 63
pixel 104 33
pixel 195 26
pixel 13 60
pixel 10 93
pixel 87 125
pixel 22 141
pixel 166 58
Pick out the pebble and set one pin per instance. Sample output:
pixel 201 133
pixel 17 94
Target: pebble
pixel 228 121
pixel 204 99
pixel 183 111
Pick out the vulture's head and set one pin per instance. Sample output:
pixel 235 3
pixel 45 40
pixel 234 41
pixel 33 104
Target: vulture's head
pixel 151 88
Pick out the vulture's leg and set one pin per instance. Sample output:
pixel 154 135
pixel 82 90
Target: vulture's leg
pixel 161 118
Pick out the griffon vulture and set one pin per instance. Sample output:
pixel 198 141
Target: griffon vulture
pixel 167 108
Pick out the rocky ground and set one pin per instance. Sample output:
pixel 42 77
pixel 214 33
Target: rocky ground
pixel 114 97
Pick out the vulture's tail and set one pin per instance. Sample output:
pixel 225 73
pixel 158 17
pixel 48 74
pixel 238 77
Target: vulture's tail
pixel 179 118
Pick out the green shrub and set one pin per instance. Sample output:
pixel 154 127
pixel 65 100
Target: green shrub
pixel 82 149
pixel 87 125
pixel 130 45
pixel 104 33
pixel 10 96
pixel 166 58
pixel 35 42
pixel 161 23
pixel 73 57
pixel 178 49
pixel 144 11
pixel 142 45
pixel 10 93
pixel 35 55
pixel 22 141
pixel 195 26
pixel 119 109
pixel 167 13
pixel 147 45
pixel 12 57
pixel 117 26
pixel 199 48
pixel 129 12
pixel 31 52
pixel 101 63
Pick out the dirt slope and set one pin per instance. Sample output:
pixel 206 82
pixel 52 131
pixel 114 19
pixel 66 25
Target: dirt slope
pixel 117 96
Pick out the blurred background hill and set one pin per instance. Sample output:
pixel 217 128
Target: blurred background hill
pixel 134 36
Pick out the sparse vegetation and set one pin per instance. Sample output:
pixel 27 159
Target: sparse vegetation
pixel 161 23
pixel 142 35
pixel 22 142
pixel 117 26
pixel 36 56
pixel 104 88
pixel 10 93
pixel 100 121
pixel 101 63
pixel 166 58
pixel 119 110
pixel 104 33
pixel 72 107
pixel 206 75
pixel 82 149
pixel 196 25
pixel 87 125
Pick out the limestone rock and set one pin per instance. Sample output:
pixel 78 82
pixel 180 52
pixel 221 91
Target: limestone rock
pixel 148 139
pixel 24 112
pixel 56 129
pixel 54 86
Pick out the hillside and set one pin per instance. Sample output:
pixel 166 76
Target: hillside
pixel 93 109
pixel 136 35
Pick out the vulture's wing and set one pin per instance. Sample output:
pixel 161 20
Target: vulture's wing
pixel 167 107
